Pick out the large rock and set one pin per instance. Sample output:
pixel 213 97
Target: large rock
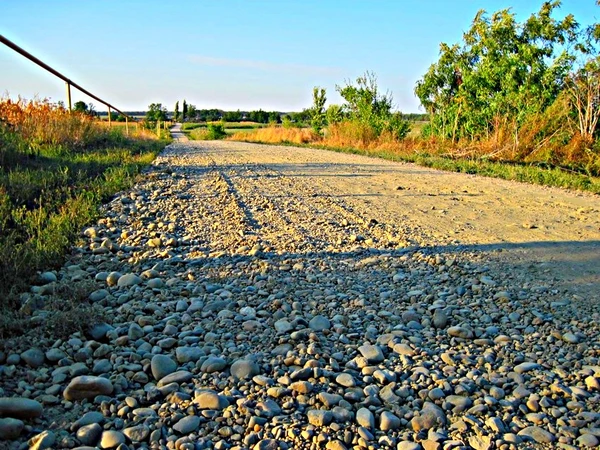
pixel 83 387
pixel 537 434
pixel 319 323
pixel 89 434
pixel 213 364
pixel 20 408
pixel 372 353
pixel 187 425
pixel 111 439
pixel 129 279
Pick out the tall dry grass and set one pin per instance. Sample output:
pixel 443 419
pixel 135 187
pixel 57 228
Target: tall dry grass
pixel 277 135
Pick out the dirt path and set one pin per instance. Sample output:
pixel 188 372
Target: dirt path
pixel 550 232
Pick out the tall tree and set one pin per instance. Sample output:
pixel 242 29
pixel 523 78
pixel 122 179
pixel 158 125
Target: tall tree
pixel 184 111
pixel 503 71
pixel 176 111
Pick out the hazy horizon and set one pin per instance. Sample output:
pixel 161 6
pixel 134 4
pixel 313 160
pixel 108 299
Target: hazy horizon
pixel 234 55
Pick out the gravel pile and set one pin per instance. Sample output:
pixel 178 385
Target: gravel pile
pixel 243 309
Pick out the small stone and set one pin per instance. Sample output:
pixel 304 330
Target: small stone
pixel 10 429
pixel 588 440
pixel 319 417
pixel 388 421
pixel 460 332
pixel 372 353
pixel 365 418
pixel 47 277
pixel 266 444
pixel 187 425
pixel 181 376
pixel 138 433
pixel 213 364
pixel 570 338
pixel 211 400
pixel 431 416
pixel 526 367
pixel 87 387
pixel 20 408
pixel 345 379
pixel 302 387
pixel 111 439
pixel 319 323
pixel 409 445
pixel 89 434
pixel 128 280
pixel 33 357
pixel 45 439
pixel 538 434
pixel 440 318
pixel 161 366
pixel 335 445
pixel 243 369
pixel 113 278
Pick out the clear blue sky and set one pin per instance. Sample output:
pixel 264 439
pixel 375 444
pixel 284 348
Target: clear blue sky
pixel 235 54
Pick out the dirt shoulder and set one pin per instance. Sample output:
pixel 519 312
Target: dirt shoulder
pixel 549 231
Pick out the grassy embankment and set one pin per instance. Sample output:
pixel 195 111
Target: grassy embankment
pixel 570 169
pixel 200 131
pixel 56 169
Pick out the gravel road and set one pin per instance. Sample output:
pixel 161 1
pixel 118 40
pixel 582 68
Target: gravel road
pixel 261 297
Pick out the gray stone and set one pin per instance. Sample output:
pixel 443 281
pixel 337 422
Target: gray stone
pixel 431 416
pixel 372 353
pixel 111 439
pixel 365 418
pixel 244 368
pixel 388 421
pixel 20 408
pixel 10 429
pixel 211 400
pixel 89 434
pixel 138 433
pixel 33 357
pixel 83 387
pixel 319 323
pixel 319 417
pixel 213 364
pixel 345 379
pixel 55 354
pixel 538 434
pixel 588 440
pixel 161 366
pixel 128 280
pixel 187 425
pixel 187 354
pixel 408 445
pixel 181 376
pixel 526 367
pixel 460 332
pixel 45 439
pixel 440 318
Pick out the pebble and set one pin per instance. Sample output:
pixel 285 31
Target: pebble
pixel 187 425
pixel 83 387
pixel 244 368
pixel 10 429
pixel 161 366
pixel 20 408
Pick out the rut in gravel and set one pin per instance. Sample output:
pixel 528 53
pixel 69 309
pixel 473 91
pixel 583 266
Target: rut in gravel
pixel 257 297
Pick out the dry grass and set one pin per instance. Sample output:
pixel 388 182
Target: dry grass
pixel 276 135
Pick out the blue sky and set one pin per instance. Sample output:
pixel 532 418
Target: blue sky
pixel 235 54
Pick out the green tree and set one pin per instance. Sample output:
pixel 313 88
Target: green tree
pixel 232 116
pixel 184 111
pixel 156 112
pixel 334 114
pixel 366 105
pixel 502 72
pixel 81 107
pixel 176 111
pixel 317 112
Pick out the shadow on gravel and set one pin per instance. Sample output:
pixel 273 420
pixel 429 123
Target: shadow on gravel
pixel 572 270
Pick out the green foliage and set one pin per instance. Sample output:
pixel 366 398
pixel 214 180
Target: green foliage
pixel 176 111
pixel 156 112
pixel 318 119
pixel 81 107
pixel 232 116
pixel 366 105
pixel 334 114
pixel 501 69
pixel 213 131
pixel 184 111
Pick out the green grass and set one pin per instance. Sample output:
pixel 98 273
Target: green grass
pixel 47 196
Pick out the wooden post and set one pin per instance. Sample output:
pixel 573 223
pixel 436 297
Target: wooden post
pixel 68 95
pixel 109 124
pixel 158 128
pixel 126 126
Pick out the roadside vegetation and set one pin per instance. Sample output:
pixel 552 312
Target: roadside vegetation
pixel 516 100
pixel 56 169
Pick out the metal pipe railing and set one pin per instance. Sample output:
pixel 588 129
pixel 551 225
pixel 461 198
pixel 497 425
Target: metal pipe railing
pixel 69 82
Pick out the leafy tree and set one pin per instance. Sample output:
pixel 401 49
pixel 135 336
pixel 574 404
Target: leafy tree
pixel 274 117
pixel 155 112
pixel 81 107
pixel 334 114
pixel 176 111
pixel 259 116
pixel 502 71
pixel 192 112
pixel 317 112
pixel 184 111
pixel 232 116
pixel 366 105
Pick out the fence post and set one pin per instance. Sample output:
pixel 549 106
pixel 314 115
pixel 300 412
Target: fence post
pixel 109 124
pixel 126 126
pixel 158 128
pixel 68 94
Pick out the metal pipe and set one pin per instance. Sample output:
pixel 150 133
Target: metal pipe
pixel 56 73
